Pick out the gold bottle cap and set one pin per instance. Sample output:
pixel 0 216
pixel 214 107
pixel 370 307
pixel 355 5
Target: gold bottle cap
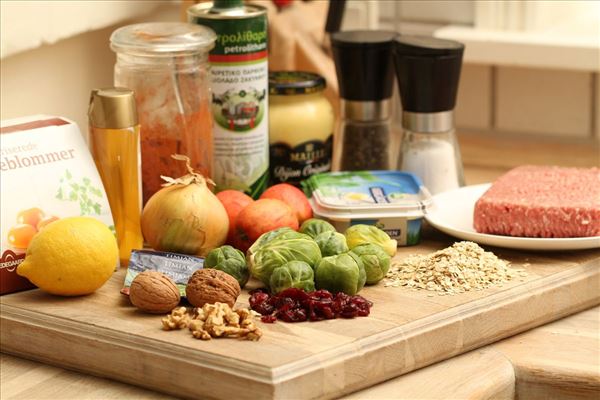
pixel 112 108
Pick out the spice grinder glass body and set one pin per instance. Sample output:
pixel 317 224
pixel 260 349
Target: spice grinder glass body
pixel 364 139
pixel 428 71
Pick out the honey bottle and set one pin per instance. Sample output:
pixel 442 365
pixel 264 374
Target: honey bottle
pixel 115 144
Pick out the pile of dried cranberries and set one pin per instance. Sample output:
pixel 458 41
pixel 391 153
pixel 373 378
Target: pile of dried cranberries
pixel 296 305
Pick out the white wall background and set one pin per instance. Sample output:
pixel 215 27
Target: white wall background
pixel 534 53
pixel 56 52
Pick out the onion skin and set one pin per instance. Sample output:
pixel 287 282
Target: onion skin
pixel 187 219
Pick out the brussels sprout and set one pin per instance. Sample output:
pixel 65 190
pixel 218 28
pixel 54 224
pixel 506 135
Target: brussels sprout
pixel 267 237
pixel 228 260
pixel 341 273
pixel 331 243
pixel 314 227
pixel 280 250
pixel 297 274
pixel 361 234
pixel 375 260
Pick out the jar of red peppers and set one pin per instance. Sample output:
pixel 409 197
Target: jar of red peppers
pixel 166 64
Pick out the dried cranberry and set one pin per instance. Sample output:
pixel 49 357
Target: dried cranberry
pixel 296 305
pixel 294 293
pixel 259 297
pixel 312 315
pixel 327 312
pixel 321 294
pixel 359 299
pixel 282 303
pixel 295 315
pixel 269 319
pixel 363 305
pixel 287 316
pixel 300 315
pixel 350 310
pixel 259 303
pixel 263 309
pixel 363 312
pixel 259 290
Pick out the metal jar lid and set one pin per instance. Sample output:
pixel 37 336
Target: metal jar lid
pixel 112 108
pixel 295 82
pixel 163 39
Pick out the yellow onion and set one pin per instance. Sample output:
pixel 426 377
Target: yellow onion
pixel 185 216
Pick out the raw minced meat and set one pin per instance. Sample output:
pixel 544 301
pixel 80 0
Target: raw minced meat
pixel 541 201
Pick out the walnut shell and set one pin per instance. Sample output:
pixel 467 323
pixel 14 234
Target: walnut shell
pixel 154 292
pixel 211 286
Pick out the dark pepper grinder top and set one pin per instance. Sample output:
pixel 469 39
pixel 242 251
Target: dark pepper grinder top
pixel 428 70
pixel 364 64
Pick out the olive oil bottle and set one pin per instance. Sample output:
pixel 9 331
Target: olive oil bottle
pixel 239 83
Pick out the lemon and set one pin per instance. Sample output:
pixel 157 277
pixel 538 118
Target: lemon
pixel 71 256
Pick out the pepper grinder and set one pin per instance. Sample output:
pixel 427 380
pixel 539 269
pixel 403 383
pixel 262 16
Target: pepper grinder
pixel 365 73
pixel 428 71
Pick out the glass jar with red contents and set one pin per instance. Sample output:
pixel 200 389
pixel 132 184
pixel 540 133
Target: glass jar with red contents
pixel 166 64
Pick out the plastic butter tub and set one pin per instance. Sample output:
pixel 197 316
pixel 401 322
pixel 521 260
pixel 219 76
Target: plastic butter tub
pixel 393 201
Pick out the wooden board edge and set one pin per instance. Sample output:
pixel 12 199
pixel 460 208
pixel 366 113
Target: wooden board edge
pixel 79 329
pixel 181 376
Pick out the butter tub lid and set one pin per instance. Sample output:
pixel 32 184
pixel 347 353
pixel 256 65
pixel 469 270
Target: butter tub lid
pixel 382 193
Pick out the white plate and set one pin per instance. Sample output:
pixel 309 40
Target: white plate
pixel 452 213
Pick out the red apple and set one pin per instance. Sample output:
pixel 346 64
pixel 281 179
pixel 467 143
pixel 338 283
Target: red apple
pixel 234 202
pixel 293 197
pixel 264 215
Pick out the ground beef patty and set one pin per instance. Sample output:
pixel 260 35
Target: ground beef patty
pixel 538 201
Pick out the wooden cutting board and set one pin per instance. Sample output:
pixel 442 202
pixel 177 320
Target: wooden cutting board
pixel 103 335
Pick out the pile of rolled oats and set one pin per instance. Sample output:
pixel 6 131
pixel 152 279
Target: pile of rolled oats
pixel 456 269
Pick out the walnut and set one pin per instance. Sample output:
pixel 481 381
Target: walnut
pixel 254 335
pixel 154 292
pixel 178 319
pixel 197 329
pixel 209 286
pixel 219 320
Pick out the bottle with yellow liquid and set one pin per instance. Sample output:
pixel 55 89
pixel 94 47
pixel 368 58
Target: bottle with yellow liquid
pixel 115 144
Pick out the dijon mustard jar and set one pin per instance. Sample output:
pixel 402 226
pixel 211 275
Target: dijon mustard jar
pixel 301 123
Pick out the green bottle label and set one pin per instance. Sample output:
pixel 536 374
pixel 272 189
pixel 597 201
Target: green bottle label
pixel 239 83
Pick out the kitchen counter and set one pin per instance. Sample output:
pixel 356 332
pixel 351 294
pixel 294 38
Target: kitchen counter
pixel 562 358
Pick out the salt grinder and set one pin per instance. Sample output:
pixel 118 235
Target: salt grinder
pixel 365 72
pixel 428 71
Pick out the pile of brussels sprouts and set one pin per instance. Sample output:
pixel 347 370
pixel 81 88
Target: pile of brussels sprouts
pixel 315 257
